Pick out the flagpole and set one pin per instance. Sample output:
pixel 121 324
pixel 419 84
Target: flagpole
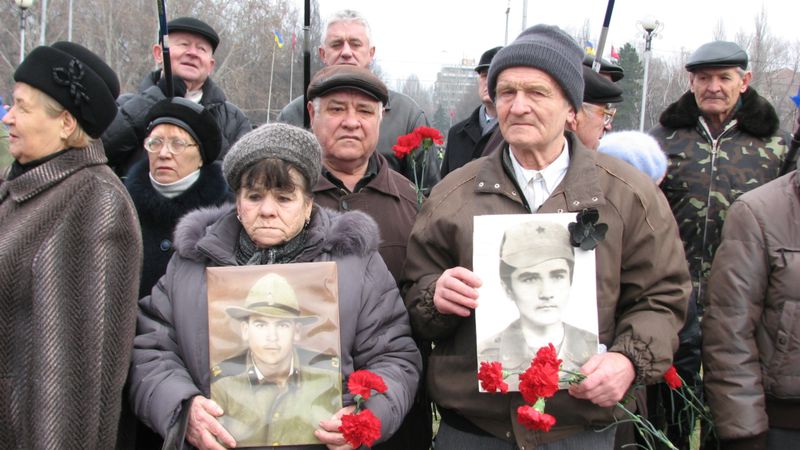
pixel 603 34
pixel 291 69
pixel 271 70
pixel 306 58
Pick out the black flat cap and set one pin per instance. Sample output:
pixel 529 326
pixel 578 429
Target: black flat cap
pixel 195 26
pixel 598 90
pixel 717 54
pixel 192 118
pixel 486 59
pixel 606 68
pixel 77 79
pixel 339 77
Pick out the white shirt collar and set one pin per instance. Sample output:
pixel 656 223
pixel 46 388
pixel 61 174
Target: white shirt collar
pixel 552 175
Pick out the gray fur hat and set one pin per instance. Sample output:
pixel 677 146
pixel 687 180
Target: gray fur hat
pixel 274 140
pixel 549 49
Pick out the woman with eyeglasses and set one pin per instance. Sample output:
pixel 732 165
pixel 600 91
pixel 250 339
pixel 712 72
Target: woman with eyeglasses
pixel 178 176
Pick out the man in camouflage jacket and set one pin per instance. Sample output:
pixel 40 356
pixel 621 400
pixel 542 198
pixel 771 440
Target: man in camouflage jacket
pixel 722 140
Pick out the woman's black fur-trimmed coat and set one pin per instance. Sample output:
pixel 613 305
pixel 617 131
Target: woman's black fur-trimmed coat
pixel 158 215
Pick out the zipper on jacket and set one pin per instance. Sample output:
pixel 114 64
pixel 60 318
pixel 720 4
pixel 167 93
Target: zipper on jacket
pixel 711 175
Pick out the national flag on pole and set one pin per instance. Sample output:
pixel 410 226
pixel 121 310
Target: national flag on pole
pixel 589 47
pixel 278 38
pixel 614 53
pixel 294 40
pixel 796 98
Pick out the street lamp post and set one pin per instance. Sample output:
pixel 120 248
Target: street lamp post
pixel 650 27
pixel 23 6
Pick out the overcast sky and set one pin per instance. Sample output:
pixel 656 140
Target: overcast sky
pixel 419 36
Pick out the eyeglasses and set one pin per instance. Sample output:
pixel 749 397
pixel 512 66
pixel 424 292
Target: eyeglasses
pixel 174 145
pixel 608 112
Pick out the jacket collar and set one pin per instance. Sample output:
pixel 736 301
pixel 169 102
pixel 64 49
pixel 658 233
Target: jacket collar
pixel 382 182
pixel 755 116
pixel 52 172
pixel 580 186
pixel 212 93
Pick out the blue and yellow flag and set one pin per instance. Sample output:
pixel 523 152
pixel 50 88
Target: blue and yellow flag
pixel 589 48
pixel 278 38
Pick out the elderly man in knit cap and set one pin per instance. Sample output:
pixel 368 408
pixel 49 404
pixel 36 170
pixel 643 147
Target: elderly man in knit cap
pixel 536 269
pixel 595 115
pixel 470 138
pixel 642 282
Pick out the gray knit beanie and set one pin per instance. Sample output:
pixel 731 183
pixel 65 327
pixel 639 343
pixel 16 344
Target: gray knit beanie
pixel 547 48
pixel 274 140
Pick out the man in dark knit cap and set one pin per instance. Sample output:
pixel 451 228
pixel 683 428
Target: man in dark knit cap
pixel 477 134
pixel 537 85
pixel 192 44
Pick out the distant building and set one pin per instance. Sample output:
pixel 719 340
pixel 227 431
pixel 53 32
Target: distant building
pixel 453 83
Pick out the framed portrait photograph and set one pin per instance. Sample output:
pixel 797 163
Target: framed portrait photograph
pixel 274 350
pixel 537 290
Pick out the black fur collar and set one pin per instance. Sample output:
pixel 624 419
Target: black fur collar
pixel 755 116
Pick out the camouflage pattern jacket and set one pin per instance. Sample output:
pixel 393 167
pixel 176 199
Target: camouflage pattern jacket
pixel 706 175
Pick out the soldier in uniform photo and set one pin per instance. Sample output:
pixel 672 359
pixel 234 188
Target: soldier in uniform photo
pixel 276 399
pixel 536 270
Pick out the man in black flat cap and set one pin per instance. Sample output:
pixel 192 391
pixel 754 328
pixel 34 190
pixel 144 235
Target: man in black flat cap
pixel 346 106
pixel 468 139
pixel 608 69
pixel 192 44
pixel 722 140
pixel 595 115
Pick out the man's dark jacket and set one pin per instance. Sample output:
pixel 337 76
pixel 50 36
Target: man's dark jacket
pixel 465 142
pixel 124 138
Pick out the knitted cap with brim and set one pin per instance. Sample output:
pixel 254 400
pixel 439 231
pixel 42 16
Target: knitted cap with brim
pixel 77 79
pixel 549 49
pixel 274 140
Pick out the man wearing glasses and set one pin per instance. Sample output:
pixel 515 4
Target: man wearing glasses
pixel 595 115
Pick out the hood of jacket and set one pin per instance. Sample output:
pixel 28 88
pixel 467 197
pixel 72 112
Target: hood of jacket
pixel 755 115
pixel 212 233
pixel 212 94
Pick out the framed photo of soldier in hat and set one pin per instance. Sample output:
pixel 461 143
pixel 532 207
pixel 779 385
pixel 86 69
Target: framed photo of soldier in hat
pixel 537 290
pixel 274 350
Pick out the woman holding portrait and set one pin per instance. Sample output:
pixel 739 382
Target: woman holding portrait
pixel 274 221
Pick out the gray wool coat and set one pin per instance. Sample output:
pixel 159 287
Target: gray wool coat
pixel 170 356
pixel 70 257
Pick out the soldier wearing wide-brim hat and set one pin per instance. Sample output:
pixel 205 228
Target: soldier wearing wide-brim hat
pixel 271 296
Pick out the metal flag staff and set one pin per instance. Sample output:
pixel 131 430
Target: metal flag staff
pixel 306 59
pixel 163 40
pixel 603 34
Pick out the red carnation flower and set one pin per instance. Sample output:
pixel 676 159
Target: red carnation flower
pixel 532 419
pixel 362 382
pixel 672 378
pixel 540 380
pixel 406 144
pixel 431 133
pixel 491 377
pixel 361 429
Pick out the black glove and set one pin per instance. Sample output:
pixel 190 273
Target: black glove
pixel 178 86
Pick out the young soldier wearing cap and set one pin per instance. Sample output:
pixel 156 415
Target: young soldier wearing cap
pixel 192 44
pixel 468 139
pixel 275 399
pixel 345 104
pixel 642 282
pixel 536 268
pixel 722 140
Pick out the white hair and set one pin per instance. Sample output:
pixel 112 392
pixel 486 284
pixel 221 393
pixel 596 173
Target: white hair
pixel 348 15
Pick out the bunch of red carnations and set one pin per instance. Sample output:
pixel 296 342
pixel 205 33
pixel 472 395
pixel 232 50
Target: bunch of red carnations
pixel 361 427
